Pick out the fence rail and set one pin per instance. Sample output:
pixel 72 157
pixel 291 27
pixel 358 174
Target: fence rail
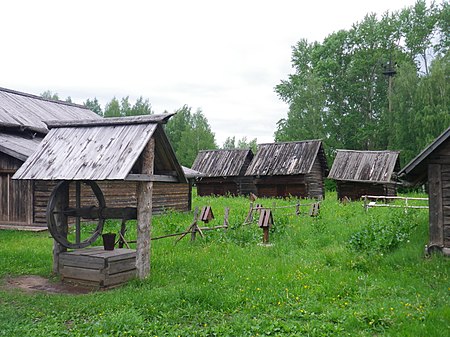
pixel 371 201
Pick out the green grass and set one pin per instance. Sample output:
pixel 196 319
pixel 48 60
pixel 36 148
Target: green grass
pixel 344 273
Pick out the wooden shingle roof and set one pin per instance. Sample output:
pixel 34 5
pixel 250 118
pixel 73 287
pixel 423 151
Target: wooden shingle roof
pixel 365 166
pixel 105 149
pixel 288 158
pixel 221 163
pixel 19 146
pixel 27 111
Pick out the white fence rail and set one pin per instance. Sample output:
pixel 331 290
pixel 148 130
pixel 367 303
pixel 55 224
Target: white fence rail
pixel 373 201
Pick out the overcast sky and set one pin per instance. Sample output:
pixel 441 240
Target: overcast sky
pixel 223 57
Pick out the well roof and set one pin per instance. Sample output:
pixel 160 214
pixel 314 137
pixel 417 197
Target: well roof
pixel 105 149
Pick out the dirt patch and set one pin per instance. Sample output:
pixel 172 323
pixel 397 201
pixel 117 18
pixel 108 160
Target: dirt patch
pixel 34 283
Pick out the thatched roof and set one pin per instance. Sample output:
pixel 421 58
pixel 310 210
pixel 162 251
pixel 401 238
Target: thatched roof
pixel 104 149
pixel 21 111
pixel 288 158
pixel 221 163
pixel 365 166
pixel 416 170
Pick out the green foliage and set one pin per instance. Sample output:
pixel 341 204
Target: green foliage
pixel 48 94
pixel 94 105
pixel 339 91
pixel 189 133
pixel 243 143
pixel 124 108
pixel 383 235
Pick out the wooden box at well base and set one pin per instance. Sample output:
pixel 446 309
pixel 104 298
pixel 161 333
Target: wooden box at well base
pixel 96 267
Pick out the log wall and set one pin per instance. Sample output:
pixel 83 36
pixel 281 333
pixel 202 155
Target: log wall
pixel 355 190
pixel 309 185
pixel 15 196
pixel 439 194
pixel 166 196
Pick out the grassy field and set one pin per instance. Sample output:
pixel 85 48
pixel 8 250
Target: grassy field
pixel 344 273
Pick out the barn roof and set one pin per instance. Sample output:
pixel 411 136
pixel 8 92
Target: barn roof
pixel 104 149
pixel 416 170
pixel 288 158
pixel 221 163
pixel 365 166
pixel 19 146
pixel 25 111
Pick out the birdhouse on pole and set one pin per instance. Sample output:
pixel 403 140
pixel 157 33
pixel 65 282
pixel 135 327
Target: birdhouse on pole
pixel 265 222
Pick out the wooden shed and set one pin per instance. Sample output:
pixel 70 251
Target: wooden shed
pixel 21 130
pixel 432 167
pixel 359 173
pixel 224 172
pixel 289 169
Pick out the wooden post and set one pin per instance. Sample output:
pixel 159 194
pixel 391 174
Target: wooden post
pixel 62 201
pixel 144 212
pixel 436 210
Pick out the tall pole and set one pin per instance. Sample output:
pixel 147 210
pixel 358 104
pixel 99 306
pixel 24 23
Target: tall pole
pixel 144 212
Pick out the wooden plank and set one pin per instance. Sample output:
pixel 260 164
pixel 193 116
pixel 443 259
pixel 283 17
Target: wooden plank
pixel 119 278
pixel 82 274
pixel 155 118
pixel 62 200
pixel 435 204
pixel 88 262
pixel 121 266
pixel 153 177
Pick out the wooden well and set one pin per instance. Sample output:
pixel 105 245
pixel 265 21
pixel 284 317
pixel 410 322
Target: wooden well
pixel 98 268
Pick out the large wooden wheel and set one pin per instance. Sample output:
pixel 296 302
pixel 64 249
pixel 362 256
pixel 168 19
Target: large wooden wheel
pixel 58 217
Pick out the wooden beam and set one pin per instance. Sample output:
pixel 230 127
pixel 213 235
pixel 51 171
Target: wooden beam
pixel 144 212
pixel 152 177
pixel 147 119
pixel 62 202
pixel 435 205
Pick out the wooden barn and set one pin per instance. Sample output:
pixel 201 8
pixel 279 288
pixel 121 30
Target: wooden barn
pixel 432 167
pixel 21 131
pixel 223 172
pixel 359 173
pixel 289 169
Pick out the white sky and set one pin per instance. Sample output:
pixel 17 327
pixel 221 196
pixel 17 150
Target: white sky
pixel 224 57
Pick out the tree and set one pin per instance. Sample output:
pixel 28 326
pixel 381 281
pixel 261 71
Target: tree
pixel 141 107
pixel 230 143
pixel 94 105
pixel 188 134
pixel 112 109
pixel 50 95
pixel 342 88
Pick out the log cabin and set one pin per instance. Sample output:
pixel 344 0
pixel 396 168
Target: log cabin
pixel 286 169
pixel 359 173
pixel 432 167
pixel 223 172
